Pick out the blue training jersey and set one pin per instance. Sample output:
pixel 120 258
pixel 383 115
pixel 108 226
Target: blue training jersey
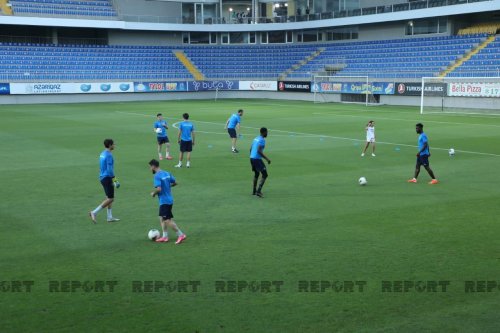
pixel 186 128
pixel 164 180
pixel 422 139
pixel 161 124
pixel 106 164
pixel 234 120
pixel 257 142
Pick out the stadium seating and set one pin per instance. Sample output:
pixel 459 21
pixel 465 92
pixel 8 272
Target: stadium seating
pixel 256 62
pixel 486 63
pixel 5 8
pixel 481 28
pixel 399 58
pixel 85 8
pixel 39 62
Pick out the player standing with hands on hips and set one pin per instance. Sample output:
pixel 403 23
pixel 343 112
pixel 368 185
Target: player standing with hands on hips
pixel 232 124
pixel 258 167
pixel 108 181
pixel 370 137
pixel 163 183
pixel 186 140
pixel 423 155
pixel 160 127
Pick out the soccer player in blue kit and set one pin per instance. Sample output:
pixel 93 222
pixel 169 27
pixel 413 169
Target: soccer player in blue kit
pixel 232 124
pixel 163 183
pixel 423 155
pixel 258 166
pixel 186 140
pixel 160 127
pixel 108 181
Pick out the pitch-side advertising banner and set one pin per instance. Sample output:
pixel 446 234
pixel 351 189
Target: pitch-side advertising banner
pixel 106 87
pixel 159 86
pixel 70 88
pixel 259 85
pixel 4 89
pixel 42 88
pixel 297 86
pixel 415 89
pixel 213 85
pixel 474 89
pixel 376 88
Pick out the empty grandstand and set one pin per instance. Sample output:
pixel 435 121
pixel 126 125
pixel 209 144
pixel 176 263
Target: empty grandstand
pixel 399 58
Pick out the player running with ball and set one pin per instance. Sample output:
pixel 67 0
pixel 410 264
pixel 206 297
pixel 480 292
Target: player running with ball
pixel 163 183
pixel 370 137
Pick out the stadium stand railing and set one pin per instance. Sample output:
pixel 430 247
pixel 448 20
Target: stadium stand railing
pixel 374 10
pixel 108 9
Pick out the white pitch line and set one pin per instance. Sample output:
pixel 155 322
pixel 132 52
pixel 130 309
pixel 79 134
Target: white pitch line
pixel 174 125
pixel 301 134
pixel 341 115
pixel 135 114
pixel 399 119
pixel 374 109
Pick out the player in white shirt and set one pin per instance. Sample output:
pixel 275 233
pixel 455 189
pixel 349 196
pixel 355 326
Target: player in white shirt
pixel 370 137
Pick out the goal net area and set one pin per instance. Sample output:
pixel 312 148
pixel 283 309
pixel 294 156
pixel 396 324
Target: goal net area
pixel 349 89
pixel 460 95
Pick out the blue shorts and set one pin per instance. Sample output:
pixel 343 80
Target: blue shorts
pixel 186 146
pixel 166 212
pixel 423 160
pixel 232 133
pixel 162 139
pixel 109 189
pixel 257 165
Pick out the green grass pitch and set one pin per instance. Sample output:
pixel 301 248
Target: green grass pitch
pixel 314 224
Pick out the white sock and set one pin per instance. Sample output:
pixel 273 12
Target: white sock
pixel 179 232
pixel 165 234
pixel 110 214
pixel 167 154
pixel 95 211
pixel 188 162
pixel 180 163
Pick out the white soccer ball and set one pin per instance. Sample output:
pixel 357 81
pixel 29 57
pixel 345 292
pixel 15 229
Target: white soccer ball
pixel 153 234
pixel 451 152
pixel 158 130
pixel 362 181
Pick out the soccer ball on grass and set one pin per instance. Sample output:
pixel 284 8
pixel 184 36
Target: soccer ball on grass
pixel 153 234
pixel 362 181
